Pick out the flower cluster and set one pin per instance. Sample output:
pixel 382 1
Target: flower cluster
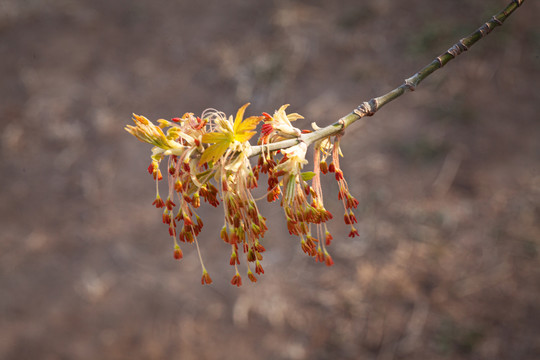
pixel 208 158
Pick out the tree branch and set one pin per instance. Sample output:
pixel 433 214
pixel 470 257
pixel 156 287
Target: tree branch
pixel 368 108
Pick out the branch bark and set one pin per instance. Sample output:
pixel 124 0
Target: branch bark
pixel 369 108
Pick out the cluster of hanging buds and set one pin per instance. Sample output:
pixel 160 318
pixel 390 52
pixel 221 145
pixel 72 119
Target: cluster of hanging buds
pixel 208 159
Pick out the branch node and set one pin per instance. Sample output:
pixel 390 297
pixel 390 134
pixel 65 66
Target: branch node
pixel 410 84
pixel 457 49
pixel 499 22
pixel 486 28
pixel 365 109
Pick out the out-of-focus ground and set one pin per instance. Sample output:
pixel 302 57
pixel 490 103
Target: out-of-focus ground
pixel 448 178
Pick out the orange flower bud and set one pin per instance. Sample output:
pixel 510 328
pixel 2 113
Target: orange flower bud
pixel 331 167
pixel 158 203
pixel 328 238
pixel 353 232
pixel 178 253
pixel 324 167
pixel 251 276
pixel 224 234
pixel 169 204
pixel 234 259
pixel 258 268
pixel 237 280
pixel 178 185
pixel 206 278
pixel 328 259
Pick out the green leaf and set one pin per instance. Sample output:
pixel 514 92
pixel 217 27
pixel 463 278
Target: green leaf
pixel 308 175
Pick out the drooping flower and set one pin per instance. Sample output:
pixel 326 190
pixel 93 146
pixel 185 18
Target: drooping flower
pixel 208 160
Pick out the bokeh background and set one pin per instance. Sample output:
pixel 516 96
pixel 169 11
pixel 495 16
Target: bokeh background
pixel 448 178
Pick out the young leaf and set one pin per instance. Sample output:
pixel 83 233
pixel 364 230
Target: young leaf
pixel 243 129
pixel 214 152
pixel 308 175
pixel 221 143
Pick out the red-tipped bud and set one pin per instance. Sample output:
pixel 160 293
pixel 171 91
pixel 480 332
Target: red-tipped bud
pixel 320 256
pixel 331 168
pixel 328 259
pixel 189 236
pixel 234 259
pixel 206 278
pixel 324 167
pixel 308 248
pixel 187 219
pixel 224 234
pixel 352 217
pixel 178 253
pixel 251 276
pixel 353 232
pixel 255 229
pixel 328 238
pixel 339 175
pixel 178 185
pixel 266 129
pixel 351 202
pixel 258 268
pixel 251 255
pixel 166 217
pixel 233 239
pixel 169 204
pixel 199 222
pixel 237 280
pixel 259 247
pixel 196 201
pixel 158 203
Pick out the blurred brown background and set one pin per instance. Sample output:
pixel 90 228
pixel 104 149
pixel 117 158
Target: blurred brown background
pixel 448 178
